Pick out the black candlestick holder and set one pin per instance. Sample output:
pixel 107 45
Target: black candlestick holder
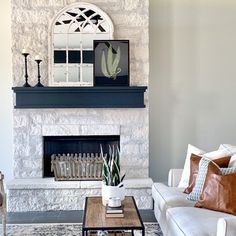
pixel 26 72
pixel 39 76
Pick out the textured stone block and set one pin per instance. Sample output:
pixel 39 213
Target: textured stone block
pixel 20 121
pixel 137 35
pixel 100 130
pixel 50 117
pixel 133 19
pixel 36 146
pixel 60 130
pixel 27 167
pixel 132 161
pixel 22 3
pixel 135 134
pixel 140 53
pixel 35 118
pixel 130 5
pixel 134 149
pixel 35 129
pixel 21 148
pixel 137 172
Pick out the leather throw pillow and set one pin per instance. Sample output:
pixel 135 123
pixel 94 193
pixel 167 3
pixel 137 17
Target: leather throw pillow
pixel 194 167
pixel 219 191
pixel 200 180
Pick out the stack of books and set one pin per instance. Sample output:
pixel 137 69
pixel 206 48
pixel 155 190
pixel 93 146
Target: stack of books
pixel 114 212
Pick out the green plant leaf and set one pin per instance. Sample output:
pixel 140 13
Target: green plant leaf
pixel 117 155
pixel 111 166
pixel 105 168
pixel 116 62
pixel 117 171
pixel 109 60
pixel 122 178
pixel 105 173
pixel 115 180
pixel 103 65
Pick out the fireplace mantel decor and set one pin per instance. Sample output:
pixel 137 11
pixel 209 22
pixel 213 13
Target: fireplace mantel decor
pixel 80 97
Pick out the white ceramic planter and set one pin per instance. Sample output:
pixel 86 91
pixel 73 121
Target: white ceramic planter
pixel 112 191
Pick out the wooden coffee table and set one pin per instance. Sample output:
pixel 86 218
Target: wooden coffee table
pixel 95 218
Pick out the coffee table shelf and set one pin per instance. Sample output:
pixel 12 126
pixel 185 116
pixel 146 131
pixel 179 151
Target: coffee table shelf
pixel 95 219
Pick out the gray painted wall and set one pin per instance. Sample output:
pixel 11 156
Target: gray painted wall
pixel 192 79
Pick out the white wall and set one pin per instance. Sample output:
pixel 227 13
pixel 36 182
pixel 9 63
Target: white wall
pixel 6 149
pixel 192 79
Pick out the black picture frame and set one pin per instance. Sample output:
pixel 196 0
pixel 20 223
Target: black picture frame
pixel 116 71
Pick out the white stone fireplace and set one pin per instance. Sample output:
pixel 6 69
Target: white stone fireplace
pixel 47 194
pixel 29 191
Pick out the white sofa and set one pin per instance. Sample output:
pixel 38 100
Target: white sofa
pixel 178 216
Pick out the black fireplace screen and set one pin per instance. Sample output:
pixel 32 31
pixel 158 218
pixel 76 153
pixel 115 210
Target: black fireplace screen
pixel 74 145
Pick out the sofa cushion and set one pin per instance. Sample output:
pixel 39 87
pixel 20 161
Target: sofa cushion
pixel 166 197
pixel 192 221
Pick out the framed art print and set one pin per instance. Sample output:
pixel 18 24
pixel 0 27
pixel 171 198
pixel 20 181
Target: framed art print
pixel 111 62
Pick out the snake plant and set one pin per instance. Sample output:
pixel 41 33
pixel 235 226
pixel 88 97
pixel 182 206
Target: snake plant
pixel 111 167
pixel 110 62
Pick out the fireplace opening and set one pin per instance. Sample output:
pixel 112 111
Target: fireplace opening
pixel 74 145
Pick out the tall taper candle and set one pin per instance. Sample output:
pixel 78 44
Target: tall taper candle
pixel 38 61
pixel 26 54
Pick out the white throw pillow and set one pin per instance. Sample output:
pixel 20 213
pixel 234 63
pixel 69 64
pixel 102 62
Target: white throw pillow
pixel 186 171
pixel 232 150
pixel 232 162
pixel 217 154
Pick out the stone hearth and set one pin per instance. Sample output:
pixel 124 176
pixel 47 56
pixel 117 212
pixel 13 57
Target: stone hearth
pixel 29 191
pixel 46 194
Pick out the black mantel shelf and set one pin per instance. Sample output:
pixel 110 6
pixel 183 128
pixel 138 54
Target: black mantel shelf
pixel 80 97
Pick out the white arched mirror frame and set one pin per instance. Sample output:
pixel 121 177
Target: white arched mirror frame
pixel 109 34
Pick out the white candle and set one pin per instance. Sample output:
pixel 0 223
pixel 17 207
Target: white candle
pixel 24 51
pixel 37 57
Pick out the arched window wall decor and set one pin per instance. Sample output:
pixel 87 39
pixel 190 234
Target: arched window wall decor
pixel 72 32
